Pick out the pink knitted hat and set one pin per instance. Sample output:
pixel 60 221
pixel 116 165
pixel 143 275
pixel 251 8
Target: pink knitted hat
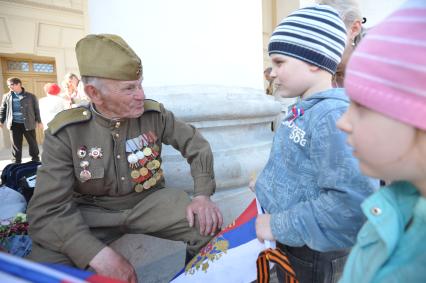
pixel 387 72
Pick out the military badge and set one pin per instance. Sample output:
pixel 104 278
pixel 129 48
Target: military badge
pixel 95 152
pixel 85 174
pixel 82 152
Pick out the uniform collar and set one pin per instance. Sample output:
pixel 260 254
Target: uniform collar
pixel 104 121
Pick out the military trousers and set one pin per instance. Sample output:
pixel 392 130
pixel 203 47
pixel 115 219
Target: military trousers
pixel 161 214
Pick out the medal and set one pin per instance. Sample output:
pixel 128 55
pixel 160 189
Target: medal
pixel 95 152
pixel 82 151
pixel 85 174
pixel 143 171
pixel 146 185
pixel 147 151
pixel 156 148
pixel 157 176
pixel 135 174
pixel 139 188
pixel 152 182
pixel 140 155
pixel 132 158
pixel 150 165
pixel 156 164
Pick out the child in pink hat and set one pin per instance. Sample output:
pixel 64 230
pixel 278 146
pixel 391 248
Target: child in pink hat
pixel 386 125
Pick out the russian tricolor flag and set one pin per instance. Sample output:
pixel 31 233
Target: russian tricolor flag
pixel 230 256
pixel 17 270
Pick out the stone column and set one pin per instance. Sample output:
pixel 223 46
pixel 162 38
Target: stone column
pixel 203 61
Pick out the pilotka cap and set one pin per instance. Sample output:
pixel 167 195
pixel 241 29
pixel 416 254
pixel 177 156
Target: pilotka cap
pixel 107 56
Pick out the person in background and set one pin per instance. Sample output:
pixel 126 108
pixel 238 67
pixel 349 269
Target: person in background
pixel 73 93
pixel 52 104
pixel 267 75
pixel 311 186
pixel 20 112
pixel 386 126
pixel 350 13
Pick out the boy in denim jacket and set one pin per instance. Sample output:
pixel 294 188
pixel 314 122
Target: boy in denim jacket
pixel 311 186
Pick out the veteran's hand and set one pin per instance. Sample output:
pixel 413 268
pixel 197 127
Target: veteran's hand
pixel 263 228
pixel 111 264
pixel 208 214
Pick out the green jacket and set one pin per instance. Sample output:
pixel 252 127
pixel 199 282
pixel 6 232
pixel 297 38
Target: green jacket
pixel 53 212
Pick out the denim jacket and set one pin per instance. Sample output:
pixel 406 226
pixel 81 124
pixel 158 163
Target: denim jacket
pixel 391 245
pixel 311 184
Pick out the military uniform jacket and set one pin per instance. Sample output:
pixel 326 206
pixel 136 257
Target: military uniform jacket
pixel 55 220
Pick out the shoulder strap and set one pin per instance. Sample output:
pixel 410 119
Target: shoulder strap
pixel 151 105
pixel 69 117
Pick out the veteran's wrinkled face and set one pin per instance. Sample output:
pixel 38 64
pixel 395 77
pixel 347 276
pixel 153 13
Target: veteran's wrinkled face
pixel 118 99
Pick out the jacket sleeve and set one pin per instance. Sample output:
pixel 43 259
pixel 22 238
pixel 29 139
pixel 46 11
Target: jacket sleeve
pixel 55 222
pixel 192 145
pixel 3 108
pixel 332 220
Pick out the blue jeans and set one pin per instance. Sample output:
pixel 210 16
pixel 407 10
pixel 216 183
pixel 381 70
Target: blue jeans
pixel 313 266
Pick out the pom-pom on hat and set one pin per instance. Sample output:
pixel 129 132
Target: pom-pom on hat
pixel 52 88
pixel 387 71
pixel 314 34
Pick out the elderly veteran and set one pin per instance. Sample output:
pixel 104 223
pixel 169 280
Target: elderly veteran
pixel 101 175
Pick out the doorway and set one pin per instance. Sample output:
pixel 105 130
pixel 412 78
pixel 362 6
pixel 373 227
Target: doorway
pixel 33 71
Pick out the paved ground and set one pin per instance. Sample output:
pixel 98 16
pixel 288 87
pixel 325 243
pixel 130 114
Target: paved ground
pixel 5 155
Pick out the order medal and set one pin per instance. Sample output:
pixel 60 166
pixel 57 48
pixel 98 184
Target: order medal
pixel 139 188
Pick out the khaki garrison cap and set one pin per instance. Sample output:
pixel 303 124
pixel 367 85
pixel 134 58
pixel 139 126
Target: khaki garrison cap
pixel 107 56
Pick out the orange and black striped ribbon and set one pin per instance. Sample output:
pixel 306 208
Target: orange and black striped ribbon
pixel 278 257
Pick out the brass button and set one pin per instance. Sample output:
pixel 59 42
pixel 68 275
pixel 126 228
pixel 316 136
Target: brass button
pixel 122 178
pixel 84 113
pixel 118 156
pixel 117 125
pixel 376 211
pixel 117 135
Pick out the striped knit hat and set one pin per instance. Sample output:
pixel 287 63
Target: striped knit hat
pixel 387 71
pixel 314 34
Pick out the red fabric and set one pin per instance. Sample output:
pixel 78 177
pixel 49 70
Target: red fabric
pixel 52 89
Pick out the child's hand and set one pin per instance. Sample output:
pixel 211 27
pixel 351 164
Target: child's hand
pixel 263 228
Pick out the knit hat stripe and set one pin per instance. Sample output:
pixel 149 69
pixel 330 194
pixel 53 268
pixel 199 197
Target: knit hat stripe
pixel 304 54
pixel 322 20
pixel 311 37
pixel 326 35
pixel 307 41
pixel 387 72
pixel 317 31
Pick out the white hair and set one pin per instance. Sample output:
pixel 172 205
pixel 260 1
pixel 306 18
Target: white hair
pixel 348 10
pixel 98 83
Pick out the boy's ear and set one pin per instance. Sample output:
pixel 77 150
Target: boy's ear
pixel 314 68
